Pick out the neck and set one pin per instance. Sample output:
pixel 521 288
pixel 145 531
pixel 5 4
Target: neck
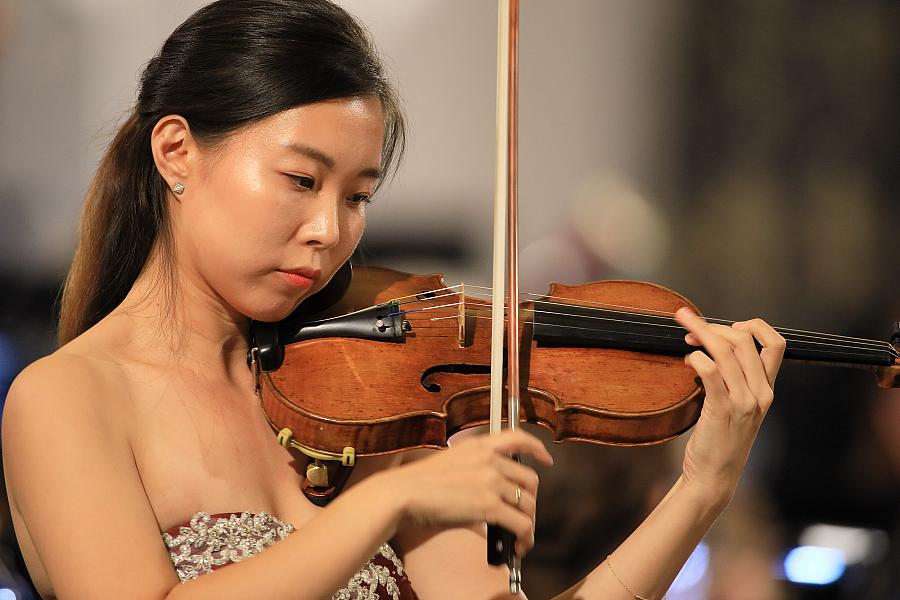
pixel 174 318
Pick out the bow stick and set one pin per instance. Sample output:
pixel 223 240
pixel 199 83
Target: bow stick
pixel 501 547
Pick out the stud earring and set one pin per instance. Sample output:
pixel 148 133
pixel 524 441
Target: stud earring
pixel 178 188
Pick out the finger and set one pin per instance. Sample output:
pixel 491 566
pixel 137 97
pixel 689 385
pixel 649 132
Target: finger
pixel 709 374
pixel 717 347
pixel 513 520
pixel 519 442
pixel 524 501
pixel 772 342
pixel 751 364
pixel 521 475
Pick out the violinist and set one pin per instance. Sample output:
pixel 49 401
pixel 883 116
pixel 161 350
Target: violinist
pixel 139 462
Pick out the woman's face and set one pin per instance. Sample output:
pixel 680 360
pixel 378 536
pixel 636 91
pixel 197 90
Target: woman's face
pixel 269 216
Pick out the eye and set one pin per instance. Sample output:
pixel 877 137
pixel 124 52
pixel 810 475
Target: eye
pixel 304 182
pixel 360 198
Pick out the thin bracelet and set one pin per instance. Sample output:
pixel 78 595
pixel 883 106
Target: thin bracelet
pixel 622 583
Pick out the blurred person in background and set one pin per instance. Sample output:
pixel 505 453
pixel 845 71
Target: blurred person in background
pixel 875 467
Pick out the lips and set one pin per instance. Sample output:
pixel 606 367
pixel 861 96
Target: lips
pixel 302 277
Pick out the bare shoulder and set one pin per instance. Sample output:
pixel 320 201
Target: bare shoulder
pixel 62 367
pixel 53 404
pixel 71 476
pixel 65 387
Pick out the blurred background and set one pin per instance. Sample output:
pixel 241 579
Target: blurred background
pixel 744 154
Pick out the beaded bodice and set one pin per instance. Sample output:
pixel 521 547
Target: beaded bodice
pixel 209 542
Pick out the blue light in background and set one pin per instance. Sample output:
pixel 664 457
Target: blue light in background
pixel 814 565
pixel 7 594
pixel 693 570
pixel 9 368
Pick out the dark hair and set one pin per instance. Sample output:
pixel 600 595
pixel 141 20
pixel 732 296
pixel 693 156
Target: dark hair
pixel 230 64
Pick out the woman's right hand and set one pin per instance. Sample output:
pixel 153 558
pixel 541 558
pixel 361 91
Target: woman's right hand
pixel 475 481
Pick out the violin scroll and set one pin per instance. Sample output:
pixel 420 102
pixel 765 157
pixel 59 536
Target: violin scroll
pixel 889 377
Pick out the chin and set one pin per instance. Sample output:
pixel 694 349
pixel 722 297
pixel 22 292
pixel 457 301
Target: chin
pixel 276 309
pixel 268 316
pixel 271 313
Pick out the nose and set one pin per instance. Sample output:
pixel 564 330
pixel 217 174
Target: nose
pixel 321 227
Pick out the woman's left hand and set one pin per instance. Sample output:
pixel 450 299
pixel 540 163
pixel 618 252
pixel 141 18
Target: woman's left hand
pixel 738 381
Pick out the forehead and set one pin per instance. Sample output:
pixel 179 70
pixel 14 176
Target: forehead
pixel 350 129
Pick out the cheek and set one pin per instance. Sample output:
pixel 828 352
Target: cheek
pixel 237 238
pixel 235 212
pixel 235 244
pixel 239 269
pixel 356 224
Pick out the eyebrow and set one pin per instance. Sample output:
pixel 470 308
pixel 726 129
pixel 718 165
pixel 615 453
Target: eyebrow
pixel 329 162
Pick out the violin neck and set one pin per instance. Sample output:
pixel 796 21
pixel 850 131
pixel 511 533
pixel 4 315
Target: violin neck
pixel 577 326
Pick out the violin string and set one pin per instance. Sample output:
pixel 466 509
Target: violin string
pixel 661 337
pixel 871 345
pixel 417 310
pixel 433 295
pixel 660 313
pixel 668 326
pixel 829 352
pixel 841 350
pixel 837 339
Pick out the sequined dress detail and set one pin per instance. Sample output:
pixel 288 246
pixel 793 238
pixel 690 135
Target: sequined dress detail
pixel 209 542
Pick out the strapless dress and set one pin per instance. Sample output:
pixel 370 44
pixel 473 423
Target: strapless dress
pixel 209 542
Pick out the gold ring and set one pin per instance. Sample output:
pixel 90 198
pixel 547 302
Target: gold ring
pixel 518 496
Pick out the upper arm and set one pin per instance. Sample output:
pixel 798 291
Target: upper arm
pixel 434 557
pixel 72 477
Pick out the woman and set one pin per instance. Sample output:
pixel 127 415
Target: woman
pixel 236 189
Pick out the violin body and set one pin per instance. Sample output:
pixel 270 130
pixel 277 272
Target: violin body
pixel 379 397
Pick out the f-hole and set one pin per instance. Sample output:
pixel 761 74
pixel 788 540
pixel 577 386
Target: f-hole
pixel 461 369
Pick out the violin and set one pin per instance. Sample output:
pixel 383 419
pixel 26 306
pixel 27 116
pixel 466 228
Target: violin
pixel 402 361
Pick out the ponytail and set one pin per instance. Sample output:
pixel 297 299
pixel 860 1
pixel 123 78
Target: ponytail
pixel 124 215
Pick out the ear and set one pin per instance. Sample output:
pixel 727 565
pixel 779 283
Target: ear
pixel 174 150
